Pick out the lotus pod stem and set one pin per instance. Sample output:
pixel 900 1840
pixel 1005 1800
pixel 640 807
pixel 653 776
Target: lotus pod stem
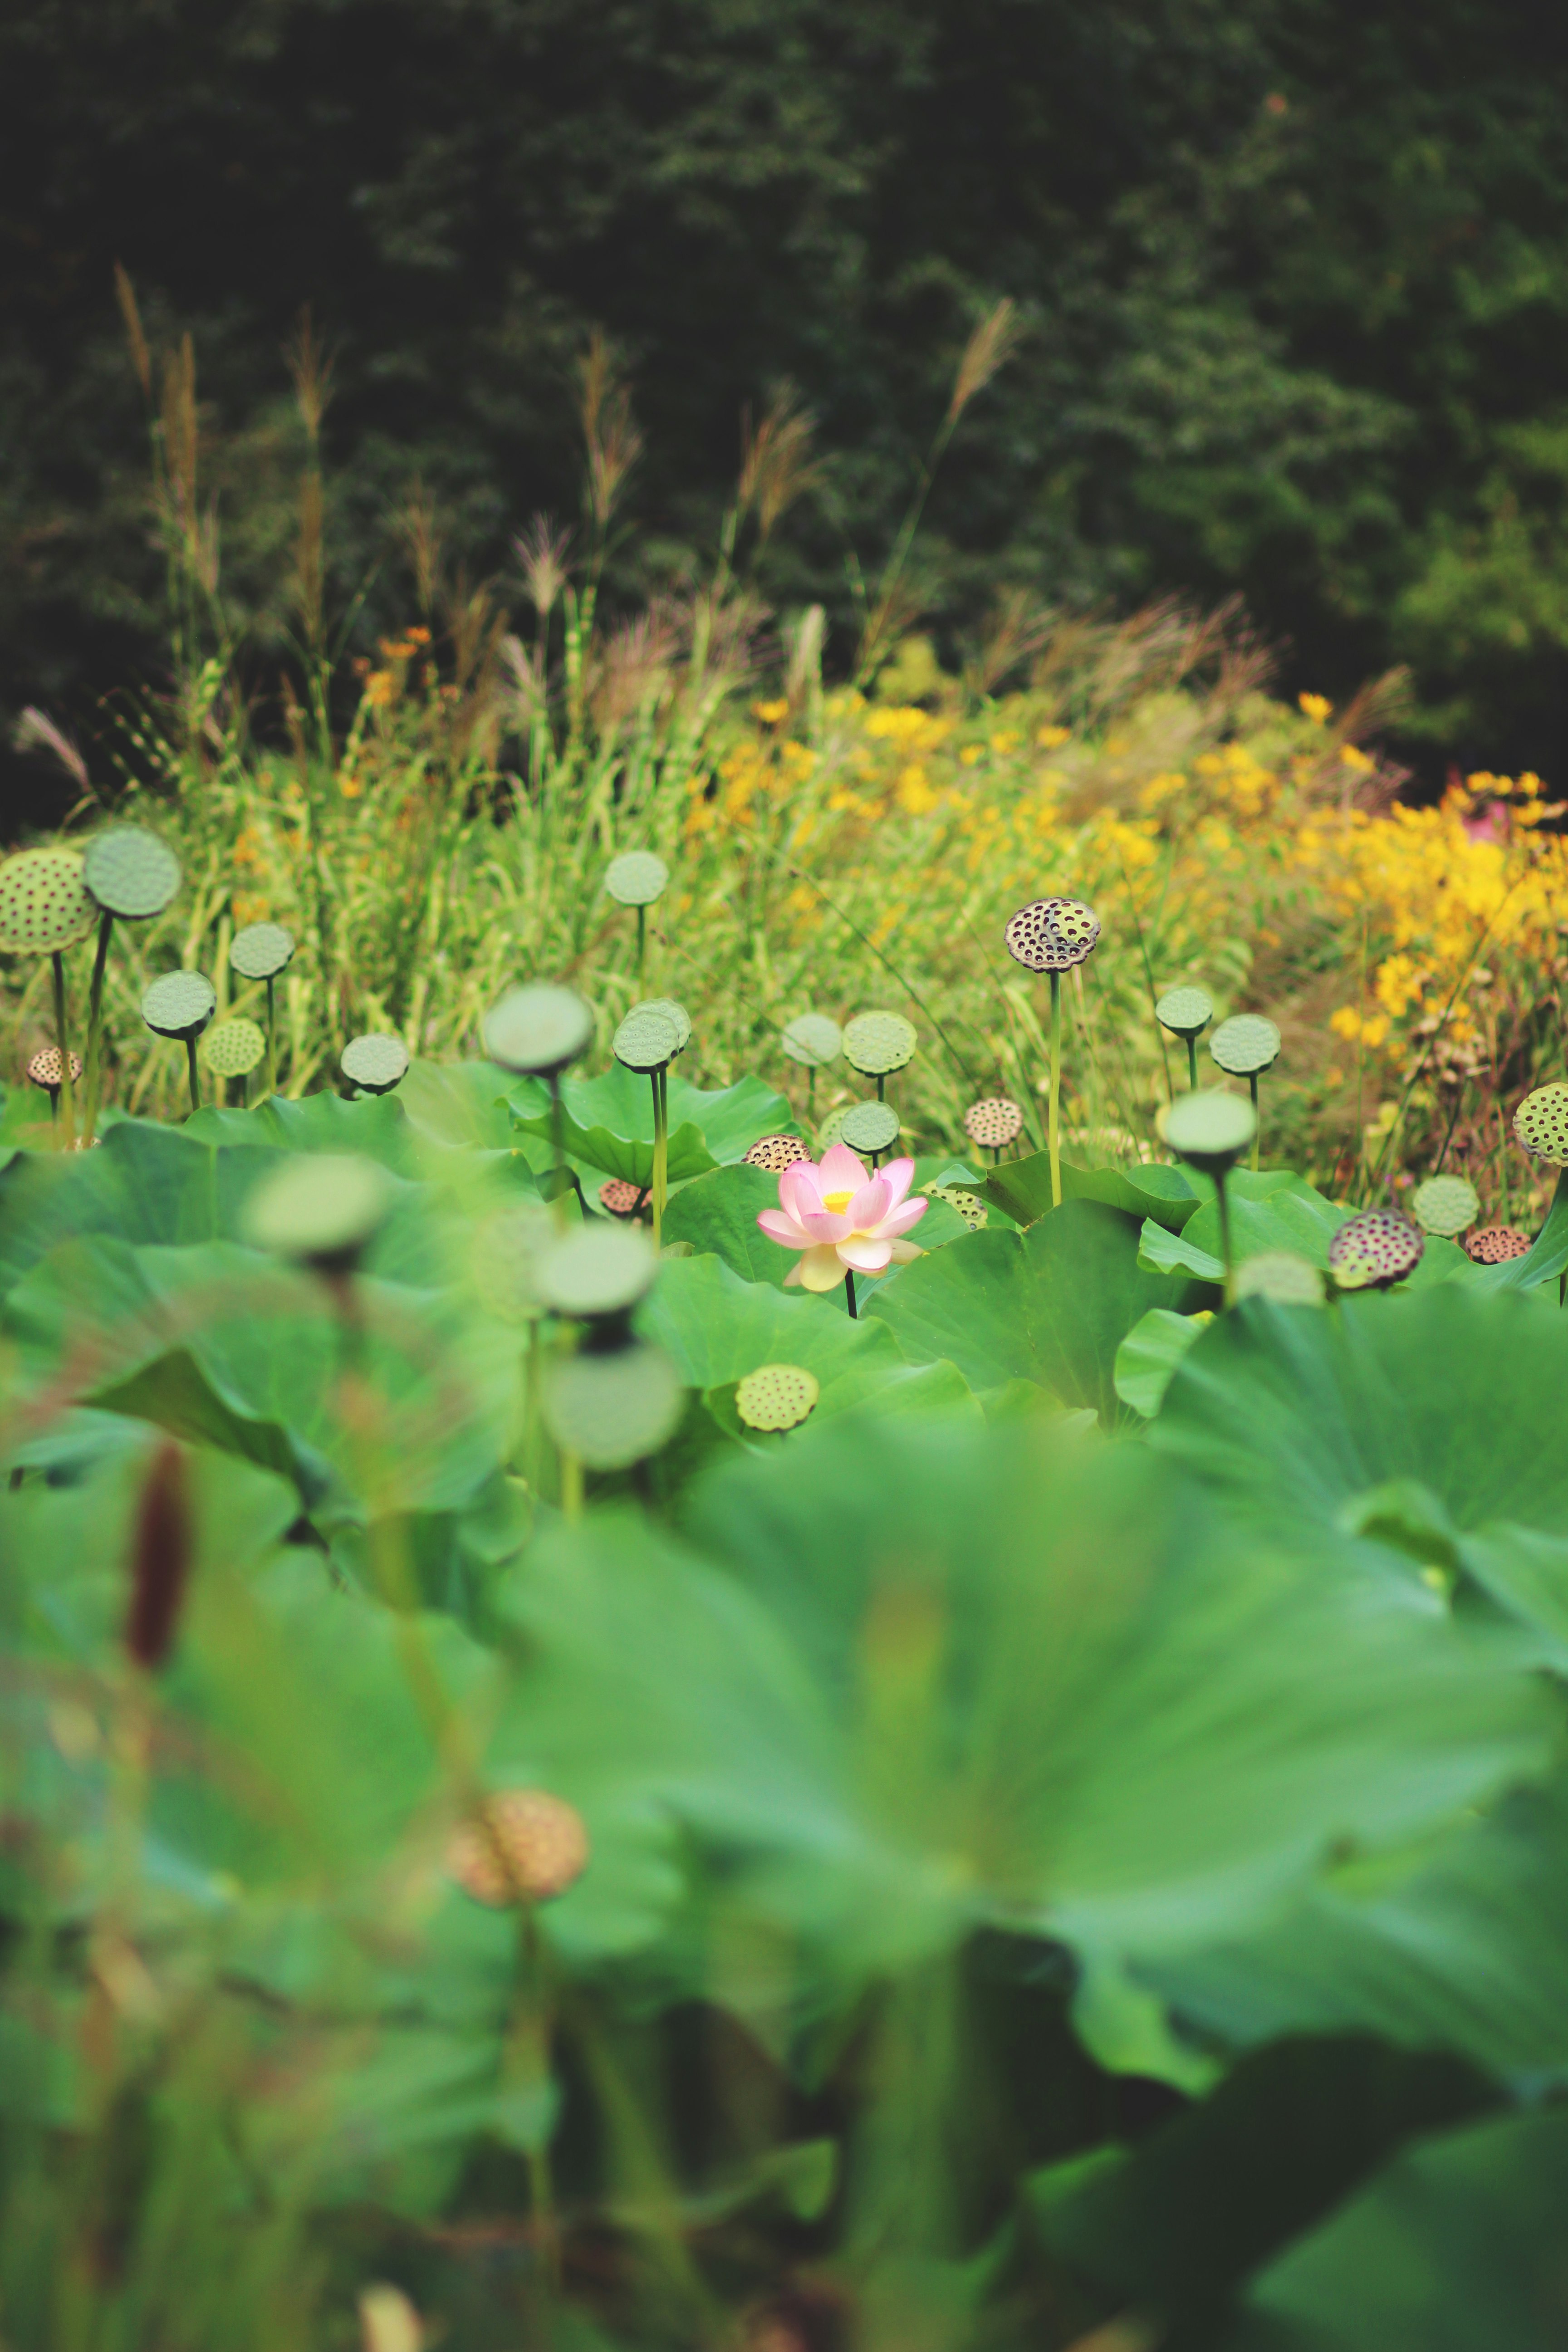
pixel 1193 1064
pixel 1222 1204
pixel 1053 1129
pixel 1257 1130
pixel 94 1055
pixel 67 1131
pixel 193 1073
pixel 849 1294
pixel 660 1151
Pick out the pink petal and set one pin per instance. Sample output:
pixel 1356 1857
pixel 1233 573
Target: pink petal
pixel 825 1225
pixel 798 1192
pixel 870 1205
pixel 866 1257
pixel 820 1269
pixel 840 1172
pixel 783 1229
pixel 896 1175
pixel 901 1220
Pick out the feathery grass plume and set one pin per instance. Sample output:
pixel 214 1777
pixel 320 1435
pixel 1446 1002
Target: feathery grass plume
pixel 542 551
pixel 990 347
pixel 161 1554
pixel 419 530
pixel 36 732
pixel 610 435
pixel 310 371
pixel 180 434
pixel 776 463
pixel 1014 632
pixel 141 357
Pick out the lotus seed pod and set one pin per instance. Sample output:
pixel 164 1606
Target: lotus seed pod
pixel 528 1847
pixel 598 1270
pixel 777 1152
pixel 320 1207
pixel 636 878
pixel 812 1038
pixel 1245 1045
pixel 878 1044
pixel 1541 1123
pixel 1374 1249
pixel 1447 1205
pixel 612 1407
pixel 180 1004
pixel 261 951
pixel 870 1126
pixel 832 1128
pixel 676 1015
pixel 776 1396
pixel 375 1063
pixel 969 1205
pixel 45 905
pixel 44 1068
pixel 994 1123
pixel 231 1049
pixel 1282 1277
pixel 537 1030
pixel 1495 1245
pixel 1052 934
pixel 646 1042
pixel 131 873
pixel 1209 1129
pixel 1185 1012
pixel 621 1198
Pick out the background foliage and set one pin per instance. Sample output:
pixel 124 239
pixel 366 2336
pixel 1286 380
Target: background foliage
pixel 1291 285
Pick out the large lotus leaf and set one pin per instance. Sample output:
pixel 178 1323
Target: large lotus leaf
pixel 1458 2244
pixel 1177 2222
pixel 218 1344
pixel 458 1103
pixel 1084 1707
pixel 1411 1422
pixel 718 1213
pixel 1051 1305
pixel 1023 1188
pixel 1149 1355
pixel 143 1183
pixel 608 1122
pixel 376 1127
pixel 1269 1212
pixel 1545 1261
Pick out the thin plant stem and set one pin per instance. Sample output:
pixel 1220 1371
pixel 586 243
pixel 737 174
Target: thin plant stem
pixel 642 941
pixel 571 1483
pixel 1192 1064
pixel 62 1038
pixel 1053 1129
pixel 271 1036
pixel 1257 1130
pixel 1223 1205
pixel 93 1056
pixel 558 1147
pixel 1502 1162
pixel 192 1074
pixel 661 1154
pixel 849 1294
pixel 881 1087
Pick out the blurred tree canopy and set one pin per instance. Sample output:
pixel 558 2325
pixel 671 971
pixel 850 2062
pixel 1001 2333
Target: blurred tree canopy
pixel 1292 274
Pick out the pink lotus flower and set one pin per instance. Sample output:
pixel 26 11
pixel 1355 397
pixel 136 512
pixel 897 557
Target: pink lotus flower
pixel 842 1219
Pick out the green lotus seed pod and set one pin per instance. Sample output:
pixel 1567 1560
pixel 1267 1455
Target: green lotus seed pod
pixel 870 1126
pixel 878 1044
pixel 260 951
pixel 600 1269
pixel 180 1004
pixel 676 1015
pixel 831 1131
pixel 646 1041
pixel 969 1205
pixel 375 1063
pixel 537 1030
pixel 1447 1205
pixel 1245 1045
pixel 1374 1249
pixel 1541 1123
pixel 1211 1130
pixel 776 1396
pixel 615 1406
pixel 994 1123
pixel 44 907
pixel 319 1207
pixel 1282 1277
pixel 231 1049
pixel 812 1038
pixel 1187 1012
pixel 131 873
pixel 636 878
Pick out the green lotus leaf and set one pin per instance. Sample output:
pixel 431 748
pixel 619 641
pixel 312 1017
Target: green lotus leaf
pixel 261 951
pixel 1149 1355
pixel 1185 1011
pixel 377 1063
pixel 131 873
pixel 321 1208
pixel 1020 1189
pixel 539 1030
pixel 508 1249
pixel 776 1396
pixel 1211 1130
pixel 813 1039
pixel 878 1044
pixel 180 1004
pixel 870 1126
pixel 45 904
pixel 646 1041
pixel 601 1269
pixel 613 1407
pixel 637 877
pixel 1244 1045
pixel 232 1049
pixel 608 1122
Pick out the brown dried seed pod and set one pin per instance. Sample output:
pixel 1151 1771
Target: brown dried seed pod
pixel 1052 934
pixel 994 1122
pixel 44 1069
pixel 622 1199
pixel 1374 1249
pixel 777 1152
pixel 527 1847
pixel 1495 1244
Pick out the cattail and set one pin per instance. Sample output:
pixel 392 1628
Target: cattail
pixel 160 1559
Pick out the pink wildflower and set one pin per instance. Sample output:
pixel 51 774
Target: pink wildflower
pixel 842 1218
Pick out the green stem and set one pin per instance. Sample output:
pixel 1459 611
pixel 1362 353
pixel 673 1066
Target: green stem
pixel 558 1147
pixel 192 1074
pixel 881 1087
pixel 271 1036
pixel 95 1030
pixel 571 1483
pixel 1053 1130
pixel 1257 1129
pixel 642 941
pixel 661 1154
pixel 62 1039
pixel 1223 1204
pixel 1192 1064
pixel 849 1294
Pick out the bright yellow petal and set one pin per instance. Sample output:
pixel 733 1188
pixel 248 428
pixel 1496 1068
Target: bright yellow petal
pixel 820 1269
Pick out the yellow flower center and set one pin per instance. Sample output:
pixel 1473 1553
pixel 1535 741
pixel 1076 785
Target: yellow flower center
pixel 836 1203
